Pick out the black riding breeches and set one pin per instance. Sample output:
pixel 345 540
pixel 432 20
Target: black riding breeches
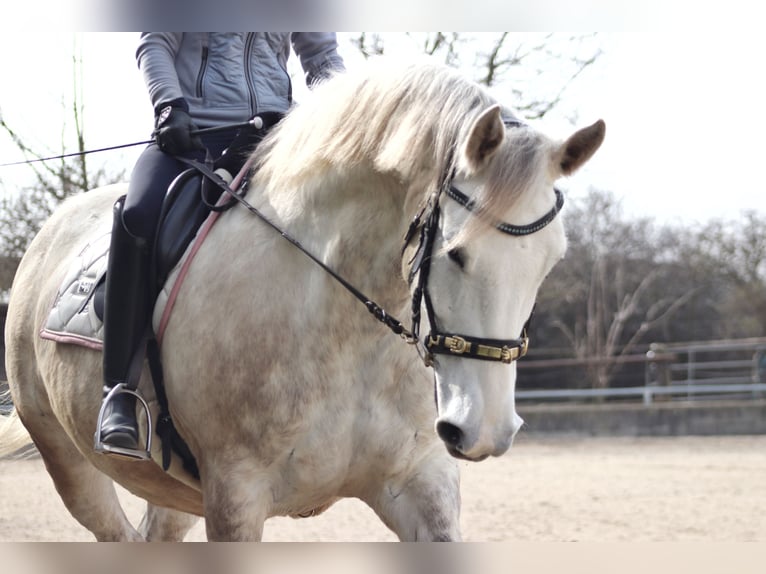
pixel 152 175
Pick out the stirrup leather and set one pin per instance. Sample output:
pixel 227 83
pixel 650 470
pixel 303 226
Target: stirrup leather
pixel 100 446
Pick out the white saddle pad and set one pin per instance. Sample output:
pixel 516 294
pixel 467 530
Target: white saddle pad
pixel 72 318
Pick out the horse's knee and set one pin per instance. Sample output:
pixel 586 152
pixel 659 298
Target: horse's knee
pixel 423 510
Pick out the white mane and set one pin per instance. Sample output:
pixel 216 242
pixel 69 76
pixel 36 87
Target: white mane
pixel 405 122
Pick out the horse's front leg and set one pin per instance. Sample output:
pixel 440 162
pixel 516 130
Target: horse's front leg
pixel 165 525
pixel 235 505
pixel 425 506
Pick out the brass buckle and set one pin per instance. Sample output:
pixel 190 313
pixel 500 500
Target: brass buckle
pixel 510 354
pixel 457 345
pixel 524 346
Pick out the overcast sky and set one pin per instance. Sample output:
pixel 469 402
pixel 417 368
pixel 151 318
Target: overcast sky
pixel 684 112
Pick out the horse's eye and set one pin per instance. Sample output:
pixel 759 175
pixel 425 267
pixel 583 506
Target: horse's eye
pixel 457 256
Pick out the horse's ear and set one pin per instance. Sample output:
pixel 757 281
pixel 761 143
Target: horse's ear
pixel 484 139
pixel 580 147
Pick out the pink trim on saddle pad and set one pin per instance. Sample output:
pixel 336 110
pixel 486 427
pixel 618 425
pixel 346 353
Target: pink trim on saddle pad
pixel 94 344
pixel 201 236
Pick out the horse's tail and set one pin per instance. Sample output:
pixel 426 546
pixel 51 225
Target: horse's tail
pixel 13 435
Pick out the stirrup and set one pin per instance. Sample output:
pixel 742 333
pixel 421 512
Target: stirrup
pixel 101 447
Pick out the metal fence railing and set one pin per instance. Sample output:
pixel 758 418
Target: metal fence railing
pixel 690 371
pixel 649 392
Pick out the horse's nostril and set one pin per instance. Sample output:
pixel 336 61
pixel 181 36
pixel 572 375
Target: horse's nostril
pixel 449 433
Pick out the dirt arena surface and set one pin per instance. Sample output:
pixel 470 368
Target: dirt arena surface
pixel 551 489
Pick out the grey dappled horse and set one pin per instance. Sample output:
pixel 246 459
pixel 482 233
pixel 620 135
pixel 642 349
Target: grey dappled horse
pixel 409 183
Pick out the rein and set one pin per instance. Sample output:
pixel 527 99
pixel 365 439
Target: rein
pixel 426 224
pixel 377 311
pixel 256 123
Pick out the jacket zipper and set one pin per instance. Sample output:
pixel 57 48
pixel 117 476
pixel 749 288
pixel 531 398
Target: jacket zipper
pixel 289 81
pixel 250 39
pixel 202 70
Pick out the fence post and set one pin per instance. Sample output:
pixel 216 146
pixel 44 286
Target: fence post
pixel 759 369
pixel 656 372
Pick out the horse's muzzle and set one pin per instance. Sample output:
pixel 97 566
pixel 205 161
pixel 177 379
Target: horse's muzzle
pixel 453 437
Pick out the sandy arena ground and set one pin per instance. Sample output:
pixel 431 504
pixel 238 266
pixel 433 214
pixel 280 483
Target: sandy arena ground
pixel 547 489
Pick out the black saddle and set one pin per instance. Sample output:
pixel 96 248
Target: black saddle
pixel 183 212
pixel 192 194
pixel 185 208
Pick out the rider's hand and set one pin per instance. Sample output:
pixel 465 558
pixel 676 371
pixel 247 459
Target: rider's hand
pixel 173 128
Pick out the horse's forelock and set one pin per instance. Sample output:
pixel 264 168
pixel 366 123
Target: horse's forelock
pixel 515 168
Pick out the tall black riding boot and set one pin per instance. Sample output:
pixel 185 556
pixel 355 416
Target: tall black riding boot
pixel 126 317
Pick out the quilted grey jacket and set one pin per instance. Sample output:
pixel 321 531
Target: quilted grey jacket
pixel 228 77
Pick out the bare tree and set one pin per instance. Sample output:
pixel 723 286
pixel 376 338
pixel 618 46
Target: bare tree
pixel 735 252
pixel 369 44
pixel 564 58
pixel 23 213
pixel 448 46
pixel 618 315
pixel 613 284
pixel 536 68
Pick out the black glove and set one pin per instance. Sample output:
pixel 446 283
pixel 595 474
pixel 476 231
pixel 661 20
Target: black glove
pixel 173 128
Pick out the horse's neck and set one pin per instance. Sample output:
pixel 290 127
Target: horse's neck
pixel 354 225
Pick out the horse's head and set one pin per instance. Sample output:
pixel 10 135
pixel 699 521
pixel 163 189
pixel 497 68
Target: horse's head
pixel 487 241
pixel 485 238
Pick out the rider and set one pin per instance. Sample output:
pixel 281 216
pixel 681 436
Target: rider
pixel 195 80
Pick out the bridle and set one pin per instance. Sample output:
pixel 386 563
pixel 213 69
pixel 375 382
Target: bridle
pixel 426 224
